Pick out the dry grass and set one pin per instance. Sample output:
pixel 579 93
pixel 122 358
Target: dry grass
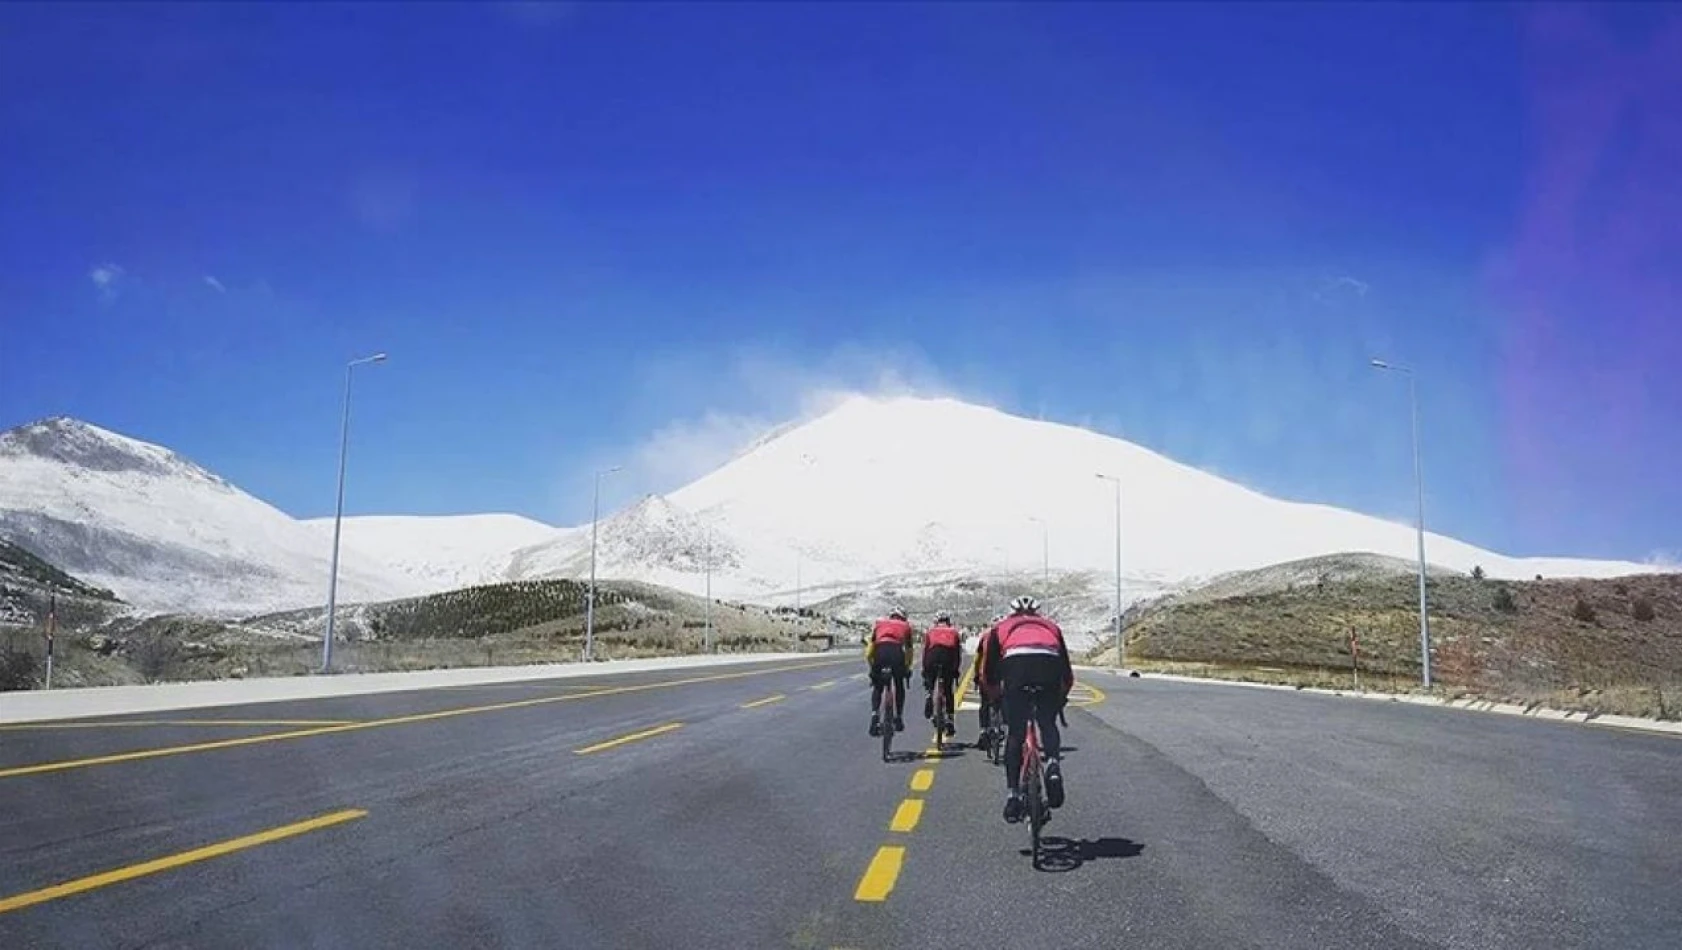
pixel 1535 653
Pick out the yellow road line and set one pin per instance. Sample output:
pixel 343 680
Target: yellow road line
pixel 907 815
pixel 117 876
pixel 24 726
pixel 922 780
pixel 764 702
pixel 142 754
pixel 633 737
pixel 879 878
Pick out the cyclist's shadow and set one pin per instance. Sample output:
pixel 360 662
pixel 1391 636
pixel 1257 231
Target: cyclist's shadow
pixel 906 755
pixel 1065 854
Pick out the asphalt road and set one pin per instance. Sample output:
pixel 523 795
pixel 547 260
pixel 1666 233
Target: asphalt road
pixel 509 816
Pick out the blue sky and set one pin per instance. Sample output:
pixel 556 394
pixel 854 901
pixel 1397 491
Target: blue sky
pixel 638 233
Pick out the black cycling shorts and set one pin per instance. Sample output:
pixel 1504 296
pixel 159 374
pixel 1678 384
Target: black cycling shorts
pixel 940 661
pixel 889 657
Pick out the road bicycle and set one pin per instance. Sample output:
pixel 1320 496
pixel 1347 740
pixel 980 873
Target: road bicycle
pixel 942 719
pixel 887 714
pixel 1031 780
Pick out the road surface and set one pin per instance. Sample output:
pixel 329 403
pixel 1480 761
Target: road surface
pixel 747 807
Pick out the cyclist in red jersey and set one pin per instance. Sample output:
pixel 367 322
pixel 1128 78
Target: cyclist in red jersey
pixel 982 688
pixel 943 655
pixel 1024 650
pixel 889 641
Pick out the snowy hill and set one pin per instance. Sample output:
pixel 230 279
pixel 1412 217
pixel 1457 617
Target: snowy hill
pixel 441 552
pixel 888 488
pixel 158 530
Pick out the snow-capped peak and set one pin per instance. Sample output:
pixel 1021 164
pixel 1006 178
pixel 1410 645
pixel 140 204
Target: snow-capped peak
pixel 83 445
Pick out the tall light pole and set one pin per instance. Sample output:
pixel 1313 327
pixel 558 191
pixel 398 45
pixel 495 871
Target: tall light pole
pixel 1419 517
pixel 807 461
pixel 1045 551
pixel 339 515
pixel 590 601
pixel 707 641
pixel 1120 641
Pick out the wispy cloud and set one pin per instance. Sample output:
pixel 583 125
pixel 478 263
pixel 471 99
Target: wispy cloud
pixel 106 279
pixel 1333 288
pixel 717 404
pixel 214 284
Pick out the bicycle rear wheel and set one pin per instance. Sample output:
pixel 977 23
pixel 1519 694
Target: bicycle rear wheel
pixel 940 716
pixel 1036 800
pixel 885 712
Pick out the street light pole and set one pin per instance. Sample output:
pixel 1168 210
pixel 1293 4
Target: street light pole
pixel 339 516
pixel 590 601
pixel 1120 641
pixel 1419 517
pixel 707 641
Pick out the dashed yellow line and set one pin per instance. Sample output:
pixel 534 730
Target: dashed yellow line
pixel 922 780
pixel 93 882
pixel 633 737
pixel 69 764
pixel 880 876
pixel 906 816
pixel 764 702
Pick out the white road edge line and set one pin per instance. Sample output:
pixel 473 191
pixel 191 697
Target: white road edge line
pixel 1469 705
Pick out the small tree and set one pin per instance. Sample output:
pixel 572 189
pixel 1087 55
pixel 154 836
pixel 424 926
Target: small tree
pixel 1477 572
pixel 1503 600
pixel 1642 609
pixel 1582 612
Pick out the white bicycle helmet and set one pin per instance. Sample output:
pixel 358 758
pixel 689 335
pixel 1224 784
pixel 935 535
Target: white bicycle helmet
pixel 897 613
pixel 1025 605
pixel 943 617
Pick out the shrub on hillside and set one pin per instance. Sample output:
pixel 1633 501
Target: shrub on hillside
pixel 1477 572
pixel 1503 600
pixel 1642 609
pixel 18 669
pixel 1582 612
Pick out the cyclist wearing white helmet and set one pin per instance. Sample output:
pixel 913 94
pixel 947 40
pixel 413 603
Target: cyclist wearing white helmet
pixel 890 642
pixel 1027 650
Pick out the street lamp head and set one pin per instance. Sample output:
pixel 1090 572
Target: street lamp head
pixel 377 358
pixel 1380 364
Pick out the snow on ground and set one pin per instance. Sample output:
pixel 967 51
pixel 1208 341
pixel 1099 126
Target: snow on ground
pixel 443 552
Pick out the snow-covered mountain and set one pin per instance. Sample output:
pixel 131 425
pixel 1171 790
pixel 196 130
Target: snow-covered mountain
pixel 440 552
pixel 936 488
pixel 160 531
pixel 876 500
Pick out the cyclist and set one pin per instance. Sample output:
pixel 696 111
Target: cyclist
pixel 943 656
pixel 889 640
pixel 1025 650
pixel 981 687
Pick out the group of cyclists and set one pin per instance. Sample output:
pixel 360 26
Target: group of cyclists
pixel 1021 652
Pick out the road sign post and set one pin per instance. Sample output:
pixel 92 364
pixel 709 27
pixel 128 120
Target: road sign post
pixel 51 628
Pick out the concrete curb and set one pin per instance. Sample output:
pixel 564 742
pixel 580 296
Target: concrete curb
pixel 38 705
pixel 1470 705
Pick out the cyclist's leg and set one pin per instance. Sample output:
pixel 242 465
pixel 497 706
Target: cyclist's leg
pixel 1016 725
pixel 950 676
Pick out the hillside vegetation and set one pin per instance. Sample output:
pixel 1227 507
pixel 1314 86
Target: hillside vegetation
pixel 1604 646
pixel 499 624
